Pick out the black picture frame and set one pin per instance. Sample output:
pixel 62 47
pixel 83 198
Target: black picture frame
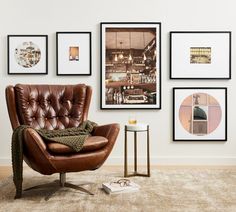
pixel 127 27
pixel 22 65
pixel 221 127
pixel 84 42
pixel 197 70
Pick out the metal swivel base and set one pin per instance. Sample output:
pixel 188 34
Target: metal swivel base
pixel 58 184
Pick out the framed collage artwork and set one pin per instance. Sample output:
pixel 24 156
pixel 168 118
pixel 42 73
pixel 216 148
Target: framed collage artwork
pixel 200 114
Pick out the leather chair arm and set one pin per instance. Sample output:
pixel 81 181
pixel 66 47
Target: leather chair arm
pixel 35 152
pixel 107 131
pixel 32 137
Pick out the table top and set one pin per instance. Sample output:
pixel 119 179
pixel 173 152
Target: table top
pixel 137 127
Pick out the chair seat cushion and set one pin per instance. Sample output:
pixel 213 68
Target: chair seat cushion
pixel 91 143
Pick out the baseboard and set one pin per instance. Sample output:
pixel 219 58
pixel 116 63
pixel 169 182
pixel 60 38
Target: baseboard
pixel 161 161
pixel 5 161
pixel 164 160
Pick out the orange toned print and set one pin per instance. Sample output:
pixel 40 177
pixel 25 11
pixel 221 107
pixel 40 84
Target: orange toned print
pixel 188 101
pixel 185 117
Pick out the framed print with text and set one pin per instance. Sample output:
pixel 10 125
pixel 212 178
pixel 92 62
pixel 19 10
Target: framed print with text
pixel 27 54
pixel 130 65
pixel 200 55
pixel 200 114
pixel 73 53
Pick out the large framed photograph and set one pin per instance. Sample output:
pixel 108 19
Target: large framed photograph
pixel 130 65
pixel 200 114
pixel 200 55
pixel 27 54
pixel 73 53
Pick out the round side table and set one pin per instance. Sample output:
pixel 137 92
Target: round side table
pixel 135 128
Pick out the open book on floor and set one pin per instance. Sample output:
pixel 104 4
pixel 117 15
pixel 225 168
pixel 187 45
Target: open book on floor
pixel 120 186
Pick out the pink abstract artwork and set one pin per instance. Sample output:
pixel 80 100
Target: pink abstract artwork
pixel 200 114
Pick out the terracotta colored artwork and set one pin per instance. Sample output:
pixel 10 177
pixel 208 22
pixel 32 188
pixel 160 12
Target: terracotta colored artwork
pixel 74 53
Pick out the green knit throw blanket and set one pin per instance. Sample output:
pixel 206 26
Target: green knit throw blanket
pixel 72 137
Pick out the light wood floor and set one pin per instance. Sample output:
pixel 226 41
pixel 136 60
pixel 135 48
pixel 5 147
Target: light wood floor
pixel 6 171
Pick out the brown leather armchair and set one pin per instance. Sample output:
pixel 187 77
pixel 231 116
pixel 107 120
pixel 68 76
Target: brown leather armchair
pixel 58 107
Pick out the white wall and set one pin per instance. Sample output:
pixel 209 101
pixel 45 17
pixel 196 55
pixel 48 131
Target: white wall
pixel 49 16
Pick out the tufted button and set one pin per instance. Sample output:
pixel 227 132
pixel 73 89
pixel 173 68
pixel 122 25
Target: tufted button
pixel 69 116
pixel 49 102
pixel 33 118
pixel 28 102
pixel 46 118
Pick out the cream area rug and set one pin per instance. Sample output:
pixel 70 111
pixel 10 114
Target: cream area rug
pixel 166 190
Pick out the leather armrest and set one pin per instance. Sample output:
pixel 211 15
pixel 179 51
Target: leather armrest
pixel 109 131
pixel 33 141
pixel 36 154
pixel 106 130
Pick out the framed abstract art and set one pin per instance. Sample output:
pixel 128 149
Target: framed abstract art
pixel 27 54
pixel 200 114
pixel 130 65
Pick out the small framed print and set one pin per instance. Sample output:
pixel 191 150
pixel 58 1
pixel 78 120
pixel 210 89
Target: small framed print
pixel 73 53
pixel 27 54
pixel 130 65
pixel 200 114
pixel 200 55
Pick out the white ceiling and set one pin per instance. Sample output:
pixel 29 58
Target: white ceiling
pixel 139 40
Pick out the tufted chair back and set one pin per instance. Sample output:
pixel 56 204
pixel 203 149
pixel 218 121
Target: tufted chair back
pixel 48 106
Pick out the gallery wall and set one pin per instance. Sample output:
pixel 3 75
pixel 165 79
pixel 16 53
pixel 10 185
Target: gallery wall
pixel 48 17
